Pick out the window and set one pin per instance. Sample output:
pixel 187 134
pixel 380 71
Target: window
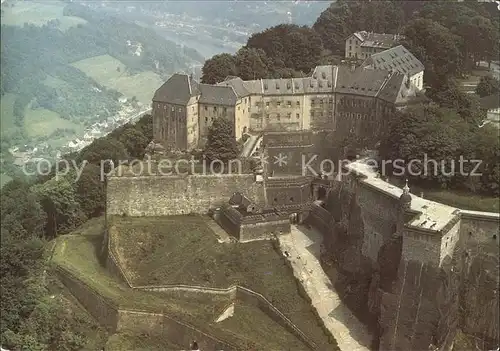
pixel 225 109
pixel 297 115
pixel 312 102
pixel 321 101
pixel 278 103
pixel 245 100
pixel 215 108
pixel 350 47
pixel 289 103
pixel 173 109
pixel 206 108
pixel 238 108
pixel 267 104
pixel 350 41
pixel 298 103
pixel 267 115
pixel 180 109
pixel 278 116
pixel 289 115
pixel 350 55
pixel 164 107
pixel 206 119
pixel 192 108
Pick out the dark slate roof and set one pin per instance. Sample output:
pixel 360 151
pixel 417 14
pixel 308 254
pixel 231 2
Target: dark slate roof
pixel 490 102
pixel 217 95
pixel 395 90
pixel 383 40
pixel 238 85
pixel 397 59
pixel 178 89
pixel 361 81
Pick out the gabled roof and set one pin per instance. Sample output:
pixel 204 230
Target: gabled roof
pixel 361 81
pixel 370 39
pixel 397 59
pixel 238 85
pixel 178 89
pixel 217 95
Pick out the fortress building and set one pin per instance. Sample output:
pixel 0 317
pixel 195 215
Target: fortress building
pixel 363 44
pixel 334 98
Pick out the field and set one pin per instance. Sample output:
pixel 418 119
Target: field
pixel 78 253
pixel 110 73
pixel 38 13
pixel 43 122
pixel 183 250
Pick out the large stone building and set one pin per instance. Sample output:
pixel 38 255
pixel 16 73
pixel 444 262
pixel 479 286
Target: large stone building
pixel 398 59
pixel 357 100
pixel 361 45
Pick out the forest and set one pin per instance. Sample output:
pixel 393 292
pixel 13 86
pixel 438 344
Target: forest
pixel 36 64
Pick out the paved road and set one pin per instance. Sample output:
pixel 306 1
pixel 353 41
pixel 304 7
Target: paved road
pixel 303 247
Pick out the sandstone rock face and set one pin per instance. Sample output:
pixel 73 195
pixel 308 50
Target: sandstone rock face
pixel 410 304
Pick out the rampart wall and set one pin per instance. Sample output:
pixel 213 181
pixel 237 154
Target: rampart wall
pixel 419 288
pixel 176 195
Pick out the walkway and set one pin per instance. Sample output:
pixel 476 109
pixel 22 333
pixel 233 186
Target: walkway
pixel 249 146
pixel 303 247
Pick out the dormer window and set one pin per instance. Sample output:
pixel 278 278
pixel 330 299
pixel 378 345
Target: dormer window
pixel 277 86
pixel 296 85
pixel 311 84
pixel 320 84
pixel 329 84
pixel 323 75
pixel 265 86
pixel 288 86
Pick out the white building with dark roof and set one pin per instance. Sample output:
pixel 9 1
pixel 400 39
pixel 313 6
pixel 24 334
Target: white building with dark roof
pixel 333 98
pixel 361 45
pixel 398 59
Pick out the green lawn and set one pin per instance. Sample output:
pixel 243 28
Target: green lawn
pixel 38 13
pixel 79 254
pixel 183 250
pixel 110 72
pixel 43 122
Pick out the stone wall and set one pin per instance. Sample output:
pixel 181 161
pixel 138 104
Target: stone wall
pixel 102 310
pixel 417 289
pixel 176 195
pixel 173 330
pixel 253 227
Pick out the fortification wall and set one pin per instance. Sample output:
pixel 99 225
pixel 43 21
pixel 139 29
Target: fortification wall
pixel 176 195
pixel 420 289
pixel 379 212
pixel 264 230
pixel 169 328
pixel 102 310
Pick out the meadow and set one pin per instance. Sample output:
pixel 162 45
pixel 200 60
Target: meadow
pixel 111 73
pixel 39 14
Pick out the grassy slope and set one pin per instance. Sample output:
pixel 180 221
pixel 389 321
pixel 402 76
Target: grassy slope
pixel 7 113
pixel 78 253
pixel 43 122
pixel 39 13
pixel 183 250
pixel 104 70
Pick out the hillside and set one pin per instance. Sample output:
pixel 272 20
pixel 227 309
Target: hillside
pixel 65 66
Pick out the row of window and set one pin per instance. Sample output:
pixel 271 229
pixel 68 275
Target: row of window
pixel 288 116
pixel 356 103
pixel 358 116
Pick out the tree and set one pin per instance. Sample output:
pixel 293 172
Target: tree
pixel 59 202
pixel 104 149
pixel 90 191
pixel 487 86
pixel 436 47
pixel 449 95
pixel 221 144
pixel 134 141
pixel 145 125
pixel 289 46
pixel 218 68
pixel 425 131
pixel 252 64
